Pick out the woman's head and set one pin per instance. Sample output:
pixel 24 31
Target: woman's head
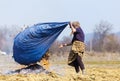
pixel 75 24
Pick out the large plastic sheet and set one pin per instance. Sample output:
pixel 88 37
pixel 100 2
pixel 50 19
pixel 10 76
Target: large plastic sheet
pixel 32 43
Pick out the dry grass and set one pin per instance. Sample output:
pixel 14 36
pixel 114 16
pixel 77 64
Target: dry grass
pixel 100 67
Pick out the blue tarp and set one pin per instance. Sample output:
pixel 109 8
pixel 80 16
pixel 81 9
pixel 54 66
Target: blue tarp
pixel 32 43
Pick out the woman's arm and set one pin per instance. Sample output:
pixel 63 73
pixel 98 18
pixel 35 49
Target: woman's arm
pixel 72 27
pixel 63 45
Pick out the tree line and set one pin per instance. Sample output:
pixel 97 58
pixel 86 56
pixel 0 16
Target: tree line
pixel 7 34
pixel 103 39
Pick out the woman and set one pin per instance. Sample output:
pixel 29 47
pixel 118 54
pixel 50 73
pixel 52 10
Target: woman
pixel 78 47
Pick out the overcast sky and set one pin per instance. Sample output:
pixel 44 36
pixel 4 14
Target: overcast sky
pixel 87 12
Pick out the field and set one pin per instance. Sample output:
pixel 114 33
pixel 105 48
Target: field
pixel 100 67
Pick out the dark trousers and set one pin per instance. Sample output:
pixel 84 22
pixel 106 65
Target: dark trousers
pixel 78 64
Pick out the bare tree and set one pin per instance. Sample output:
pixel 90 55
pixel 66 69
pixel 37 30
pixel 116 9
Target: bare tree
pixel 7 34
pixel 3 37
pixel 100 32
pixel 66 39
pixel 111 43
pixel 54 49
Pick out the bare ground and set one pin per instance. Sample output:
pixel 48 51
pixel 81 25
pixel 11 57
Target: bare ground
pixel 98 68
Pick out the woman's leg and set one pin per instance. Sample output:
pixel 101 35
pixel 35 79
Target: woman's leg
pixel 80 62
pixel 76 66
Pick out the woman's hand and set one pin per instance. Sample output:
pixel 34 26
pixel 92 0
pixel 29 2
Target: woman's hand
pixel 72 27
pixel 62 45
